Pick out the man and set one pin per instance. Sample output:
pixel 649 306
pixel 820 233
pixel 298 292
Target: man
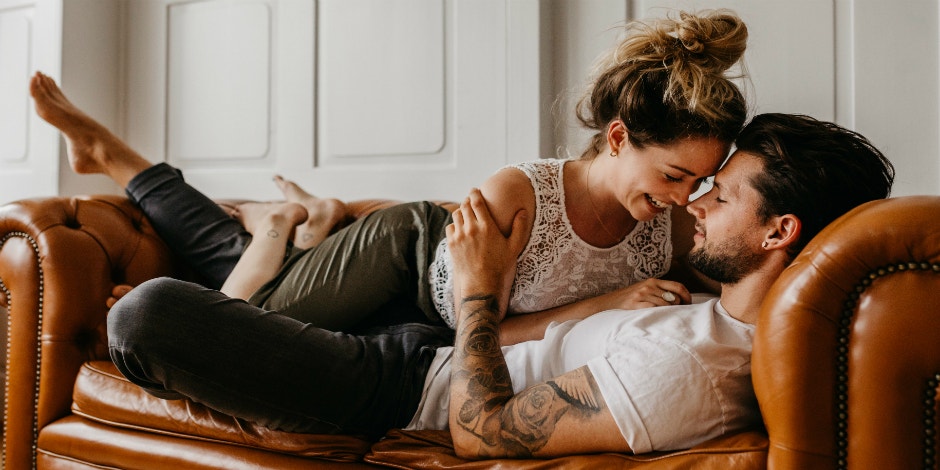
pixel 653 379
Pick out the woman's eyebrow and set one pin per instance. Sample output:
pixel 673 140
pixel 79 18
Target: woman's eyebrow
pixel 684 170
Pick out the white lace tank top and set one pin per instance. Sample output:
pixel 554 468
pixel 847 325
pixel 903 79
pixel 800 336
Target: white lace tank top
pixel 557 267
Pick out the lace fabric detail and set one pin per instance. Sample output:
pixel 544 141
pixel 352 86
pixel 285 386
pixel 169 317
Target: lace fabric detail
pixel 557 267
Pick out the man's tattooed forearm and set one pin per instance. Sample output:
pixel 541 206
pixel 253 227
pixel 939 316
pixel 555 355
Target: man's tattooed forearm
pixel 483 303
pixel 505 423
pixel 481 368
pixel 479 329
pixel 485 391
pixel 483 340
pixel 529 420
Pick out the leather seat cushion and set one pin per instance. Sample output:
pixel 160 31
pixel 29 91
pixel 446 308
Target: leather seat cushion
pixel 433 450
pixel 102 394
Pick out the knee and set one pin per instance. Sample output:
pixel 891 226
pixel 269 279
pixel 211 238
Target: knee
pixel 143 312
pixel 138 328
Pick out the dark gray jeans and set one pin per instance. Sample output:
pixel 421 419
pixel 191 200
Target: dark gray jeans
pixel 178 339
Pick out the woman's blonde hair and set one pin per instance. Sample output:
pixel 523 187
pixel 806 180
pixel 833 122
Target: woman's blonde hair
pixel 668 79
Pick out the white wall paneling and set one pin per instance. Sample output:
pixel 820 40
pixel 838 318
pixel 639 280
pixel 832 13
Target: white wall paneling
pixel 91 75
pixel 895 73
pixel 27 150
pixel 382 98
pixel 77 43
pixel 208 83
pixel 419 98
pixel 15 48
pixel 573 38
pixel 219 61
pixel 440 78
pixel 351 98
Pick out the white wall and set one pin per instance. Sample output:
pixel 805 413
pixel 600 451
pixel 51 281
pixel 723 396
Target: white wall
pixel 335 95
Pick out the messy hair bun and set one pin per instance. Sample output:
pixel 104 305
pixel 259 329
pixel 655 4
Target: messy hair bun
pixel 668 79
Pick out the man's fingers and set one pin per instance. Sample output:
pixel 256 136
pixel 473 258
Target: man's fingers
pixel 478 206
pixel 517 238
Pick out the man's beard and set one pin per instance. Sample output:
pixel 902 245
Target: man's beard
pixel 726 263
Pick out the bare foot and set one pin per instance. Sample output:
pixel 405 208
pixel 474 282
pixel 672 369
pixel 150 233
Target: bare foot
pixel 273 219
pixel 322 213
pixel 92 148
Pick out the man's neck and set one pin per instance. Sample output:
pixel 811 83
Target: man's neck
pixel 742 300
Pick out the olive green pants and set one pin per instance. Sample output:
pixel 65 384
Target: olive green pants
pixel 373 272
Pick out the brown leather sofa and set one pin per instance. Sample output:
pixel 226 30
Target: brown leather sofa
pixel 846 363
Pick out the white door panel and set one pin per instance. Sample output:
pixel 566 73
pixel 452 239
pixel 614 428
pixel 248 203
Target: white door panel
pixel 403 99
pixel 219 61
pixel 27 147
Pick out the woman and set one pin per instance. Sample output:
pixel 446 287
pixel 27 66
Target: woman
pixel 664 114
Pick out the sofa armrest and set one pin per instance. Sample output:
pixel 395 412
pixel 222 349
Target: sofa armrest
pixel 59 260
pixel 846 361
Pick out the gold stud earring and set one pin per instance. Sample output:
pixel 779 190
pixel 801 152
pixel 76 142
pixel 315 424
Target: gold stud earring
pixel 613 153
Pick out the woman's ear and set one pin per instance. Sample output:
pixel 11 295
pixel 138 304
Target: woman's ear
pixel 616 136
pixel 785 232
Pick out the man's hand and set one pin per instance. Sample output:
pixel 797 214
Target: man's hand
pixel 484 258
pixel 119 291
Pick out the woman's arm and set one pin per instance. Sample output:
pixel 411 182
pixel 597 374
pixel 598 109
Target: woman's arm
pixel 506 193
pixel 648 293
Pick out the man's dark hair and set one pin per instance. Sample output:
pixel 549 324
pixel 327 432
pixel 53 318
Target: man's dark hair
pixel 813 169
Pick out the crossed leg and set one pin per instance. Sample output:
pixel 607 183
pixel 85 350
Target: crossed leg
pixel 92 148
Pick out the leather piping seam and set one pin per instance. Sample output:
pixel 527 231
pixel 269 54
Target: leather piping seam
pixel 6 385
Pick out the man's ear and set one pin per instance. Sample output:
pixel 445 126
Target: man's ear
pixel 786 231
pixel 616 135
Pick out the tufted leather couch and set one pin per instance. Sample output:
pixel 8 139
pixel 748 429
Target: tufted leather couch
pixel 846 363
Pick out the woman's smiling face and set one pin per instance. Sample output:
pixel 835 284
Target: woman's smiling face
pixel 646 181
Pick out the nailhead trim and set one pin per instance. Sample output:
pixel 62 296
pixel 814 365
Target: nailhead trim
pixel 6 385
pixel 930 423
pixel 842 362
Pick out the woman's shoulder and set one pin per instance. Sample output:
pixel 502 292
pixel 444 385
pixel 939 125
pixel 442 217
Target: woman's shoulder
pixel 543 165
pixel 507 180
pixel 506 192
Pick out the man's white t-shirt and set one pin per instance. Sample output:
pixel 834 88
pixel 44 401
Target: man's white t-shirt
pixel 672 377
